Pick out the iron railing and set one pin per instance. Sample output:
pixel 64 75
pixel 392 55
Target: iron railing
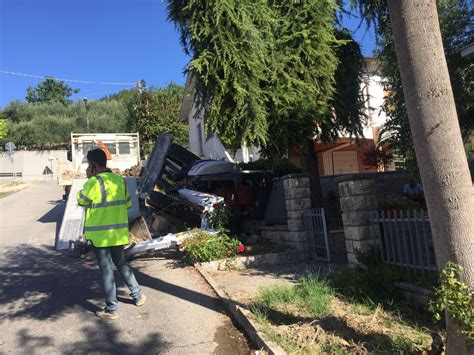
pixel 404 239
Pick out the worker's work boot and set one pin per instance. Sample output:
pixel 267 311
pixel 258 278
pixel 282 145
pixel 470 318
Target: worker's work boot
pixel 105 314
pixel 141 301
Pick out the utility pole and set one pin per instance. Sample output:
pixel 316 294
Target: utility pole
pixel 87 116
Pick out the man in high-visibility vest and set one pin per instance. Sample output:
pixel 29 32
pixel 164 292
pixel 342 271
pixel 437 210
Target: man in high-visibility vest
pixel 106 198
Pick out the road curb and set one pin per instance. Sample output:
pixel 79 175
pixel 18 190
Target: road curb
pixel 241 316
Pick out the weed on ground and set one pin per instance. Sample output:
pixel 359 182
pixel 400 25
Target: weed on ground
pixel 13 187
pixel 314 317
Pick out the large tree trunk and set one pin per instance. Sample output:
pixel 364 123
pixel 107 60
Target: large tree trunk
pixel 437 138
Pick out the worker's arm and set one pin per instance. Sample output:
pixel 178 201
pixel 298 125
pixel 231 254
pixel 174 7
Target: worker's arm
pixel 85 196
pixel 127 196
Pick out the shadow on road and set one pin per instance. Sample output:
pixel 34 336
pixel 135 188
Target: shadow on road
pixel 41 283
pixel 101 338
pixel 54 215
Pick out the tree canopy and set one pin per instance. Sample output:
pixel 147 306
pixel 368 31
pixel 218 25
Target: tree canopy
pixel 266 71
pixel 228 43
pixel 152 112
pixel 49 124
pixel 3 128
pixel 50 90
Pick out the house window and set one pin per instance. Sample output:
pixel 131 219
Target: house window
pixel 345 162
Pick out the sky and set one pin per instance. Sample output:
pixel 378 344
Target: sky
pixel 99 41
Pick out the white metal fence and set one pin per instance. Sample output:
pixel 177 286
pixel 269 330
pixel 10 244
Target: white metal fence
pixel 316 233
pixel 404 239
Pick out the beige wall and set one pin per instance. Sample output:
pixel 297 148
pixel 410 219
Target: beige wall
pixel 32 163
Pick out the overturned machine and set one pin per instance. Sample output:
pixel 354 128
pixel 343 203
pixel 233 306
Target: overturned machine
pixel 180 187
pixel 172 172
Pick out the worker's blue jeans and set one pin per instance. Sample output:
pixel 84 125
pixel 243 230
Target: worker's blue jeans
pixel 105 257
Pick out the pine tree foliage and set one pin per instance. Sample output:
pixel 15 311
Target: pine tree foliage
pixel 301 84
pixel 349 102
pixel 265 70
pixel 228 41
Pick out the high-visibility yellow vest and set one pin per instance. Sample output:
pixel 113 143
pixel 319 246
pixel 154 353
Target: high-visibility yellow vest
pixel 107 200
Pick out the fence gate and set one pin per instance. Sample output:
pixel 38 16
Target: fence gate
pixel 316 233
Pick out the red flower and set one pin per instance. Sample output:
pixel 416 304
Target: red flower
pixel 240 248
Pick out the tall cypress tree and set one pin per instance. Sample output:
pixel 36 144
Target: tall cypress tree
pixel 228 42
pixel 265 72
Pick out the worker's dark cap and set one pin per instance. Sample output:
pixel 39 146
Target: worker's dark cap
pixel 97 156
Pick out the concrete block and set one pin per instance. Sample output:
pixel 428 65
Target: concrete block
pixel 293 182
pixel 273 235
pixel 362 246
pixel 349 247
pixel 297 245
pixel 295 225
pixel 297 193
pixel 295 237
pixel 356 187
pixel 295 214
pixel 356 218
pixel 352 258
pixel 283 235
pixel 298 205
pixel 358 232
pixel 358 203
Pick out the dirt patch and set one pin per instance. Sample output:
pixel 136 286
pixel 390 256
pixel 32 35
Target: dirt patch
pixel 350 329
pixel 231 341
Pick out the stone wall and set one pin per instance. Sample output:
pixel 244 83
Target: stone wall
pixel 358 199
pixel 386 184
pixel 297 199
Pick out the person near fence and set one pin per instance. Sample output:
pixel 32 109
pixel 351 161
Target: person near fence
pixel 106 198
pixel 413 191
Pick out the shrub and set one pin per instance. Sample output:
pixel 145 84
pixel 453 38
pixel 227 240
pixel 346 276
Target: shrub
pixel 390 203
pixel 205 246
pixel 457 299
pixel 219 217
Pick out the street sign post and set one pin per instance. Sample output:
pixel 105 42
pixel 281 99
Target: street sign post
pixel 10 148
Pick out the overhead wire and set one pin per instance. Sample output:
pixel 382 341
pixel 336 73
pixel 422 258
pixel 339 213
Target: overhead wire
pixel 67 80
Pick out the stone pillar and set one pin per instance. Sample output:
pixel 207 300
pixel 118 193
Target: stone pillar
pixel 358 199
pixel 298 198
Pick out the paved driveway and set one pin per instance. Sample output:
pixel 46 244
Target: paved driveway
pixel 48 299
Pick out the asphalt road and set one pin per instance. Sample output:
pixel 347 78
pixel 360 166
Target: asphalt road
pixel 48 299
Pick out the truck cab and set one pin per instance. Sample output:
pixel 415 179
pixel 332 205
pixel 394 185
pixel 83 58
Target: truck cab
pixel 122 149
